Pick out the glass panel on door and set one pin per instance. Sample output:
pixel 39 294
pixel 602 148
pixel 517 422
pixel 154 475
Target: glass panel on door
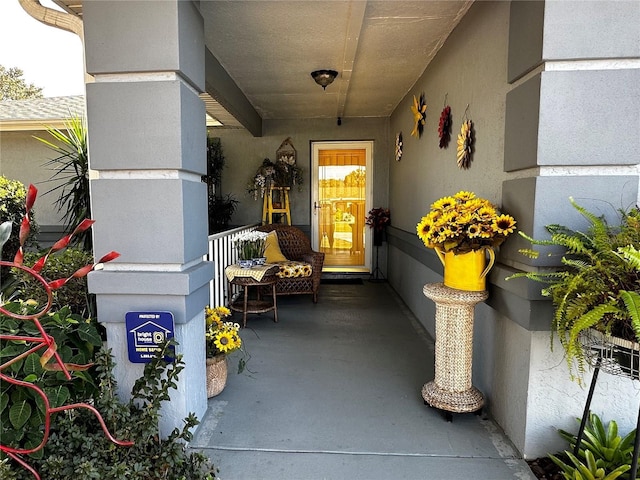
pixel 341 210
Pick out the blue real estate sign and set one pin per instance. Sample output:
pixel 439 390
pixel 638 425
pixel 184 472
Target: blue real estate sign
pixel 146 333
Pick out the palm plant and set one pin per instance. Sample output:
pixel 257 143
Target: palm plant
pixel 72 171
pixel 598 284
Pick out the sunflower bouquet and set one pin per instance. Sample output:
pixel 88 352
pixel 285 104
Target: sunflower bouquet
pixel 462 223
pixel 221 337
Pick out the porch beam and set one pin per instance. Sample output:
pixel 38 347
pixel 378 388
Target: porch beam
pixel 224 90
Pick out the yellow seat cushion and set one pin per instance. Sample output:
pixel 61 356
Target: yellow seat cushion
pixel 291 269
pixel 272 249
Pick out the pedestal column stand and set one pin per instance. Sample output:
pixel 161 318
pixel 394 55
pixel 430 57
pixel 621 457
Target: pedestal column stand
pixel 602 356
pixel 451 390
pixel 376 274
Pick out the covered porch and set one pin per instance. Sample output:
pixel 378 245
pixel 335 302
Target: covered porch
pixel 508 66
pixel 333 391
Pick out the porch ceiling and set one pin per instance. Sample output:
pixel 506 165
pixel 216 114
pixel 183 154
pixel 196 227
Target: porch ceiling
pixel 379 47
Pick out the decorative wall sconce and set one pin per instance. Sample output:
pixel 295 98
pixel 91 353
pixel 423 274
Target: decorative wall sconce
pixel 324 77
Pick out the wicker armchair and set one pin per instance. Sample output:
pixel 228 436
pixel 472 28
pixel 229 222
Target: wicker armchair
pixel 295 245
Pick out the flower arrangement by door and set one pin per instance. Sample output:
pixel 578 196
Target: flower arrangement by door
pixel 463 229
pixel 378 219
pixel 221 339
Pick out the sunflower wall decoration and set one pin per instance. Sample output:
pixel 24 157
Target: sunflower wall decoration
pixel 465 144
pixel 444 127
pixel 398 146
pixel 419 109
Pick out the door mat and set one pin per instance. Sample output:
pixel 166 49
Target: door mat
pixel 342 281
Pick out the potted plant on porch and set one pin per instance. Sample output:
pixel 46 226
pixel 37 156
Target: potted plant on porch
pixel 250 247
pixel 597 288
pixel 282 173
pixel 378 219
pixel 461 228
pixel 221 339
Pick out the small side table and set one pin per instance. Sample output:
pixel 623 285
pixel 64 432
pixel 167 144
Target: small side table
pixel 257 305
pixel 451 390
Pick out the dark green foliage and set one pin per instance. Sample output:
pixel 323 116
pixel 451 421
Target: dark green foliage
pixel 221 210
pixel 72 169
pixel 14 87
pixel 21 409
pixel 603 454
pixel 60 265
pixel 215 164
pixel 78 449
pixel 587 291
pixel 221 207
pixel 13 195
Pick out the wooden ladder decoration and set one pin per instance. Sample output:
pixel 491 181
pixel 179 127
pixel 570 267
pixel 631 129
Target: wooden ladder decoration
pixel 280 207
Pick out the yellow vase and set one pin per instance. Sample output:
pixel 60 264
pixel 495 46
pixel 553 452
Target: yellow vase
pixel 466 271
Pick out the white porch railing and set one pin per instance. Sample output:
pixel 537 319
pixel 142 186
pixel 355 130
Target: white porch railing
pixel 222 253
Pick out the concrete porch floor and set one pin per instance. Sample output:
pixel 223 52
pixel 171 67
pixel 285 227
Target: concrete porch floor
pixel 333 393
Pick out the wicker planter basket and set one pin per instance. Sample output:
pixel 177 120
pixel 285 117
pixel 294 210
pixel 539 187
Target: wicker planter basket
pixel 216 375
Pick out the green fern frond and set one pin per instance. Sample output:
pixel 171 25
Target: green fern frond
pixel 528 252
pixel 575 308
pixel 563 292
pixel 556 228
pixel 534 241
pixel 632 303
pixel 595 220
pixel 591 318
pixel 572 243
pixel 576 263
pixel 544 277
pixel 631 255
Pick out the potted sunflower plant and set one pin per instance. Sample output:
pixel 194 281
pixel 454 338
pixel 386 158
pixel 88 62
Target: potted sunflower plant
pixel 463 229
pixel 222 338
pixel 595 291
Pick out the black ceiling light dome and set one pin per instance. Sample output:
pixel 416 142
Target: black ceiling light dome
pixel 324 77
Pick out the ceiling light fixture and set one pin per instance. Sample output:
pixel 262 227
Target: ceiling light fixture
pixel 324 77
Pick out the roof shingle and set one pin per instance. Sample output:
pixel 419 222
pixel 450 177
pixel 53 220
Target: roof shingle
pixel 49 108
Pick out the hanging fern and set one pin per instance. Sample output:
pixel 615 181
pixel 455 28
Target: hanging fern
pixel 598 284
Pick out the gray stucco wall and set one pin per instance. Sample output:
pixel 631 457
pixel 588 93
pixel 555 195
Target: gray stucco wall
pixel 244 154
pixel 22 158
pixel 523 381
pixel 470 70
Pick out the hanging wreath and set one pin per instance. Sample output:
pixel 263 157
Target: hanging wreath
pixel 419 109
pixel 465 144
pixel 444 127
pixel 398 146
